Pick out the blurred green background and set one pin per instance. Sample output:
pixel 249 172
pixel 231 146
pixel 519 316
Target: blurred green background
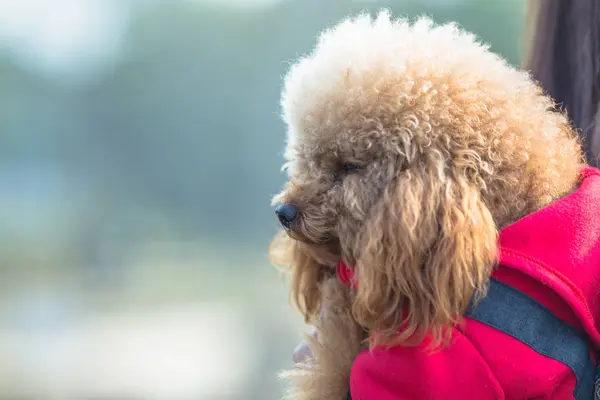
pixel 140 145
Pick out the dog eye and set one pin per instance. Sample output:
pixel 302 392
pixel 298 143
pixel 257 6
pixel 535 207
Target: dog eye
pixel 349 168
pixel 344 170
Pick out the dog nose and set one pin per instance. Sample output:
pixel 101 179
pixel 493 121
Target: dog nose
pixel 286 213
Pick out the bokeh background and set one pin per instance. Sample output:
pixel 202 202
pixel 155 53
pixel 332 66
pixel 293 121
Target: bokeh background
pixel 140 144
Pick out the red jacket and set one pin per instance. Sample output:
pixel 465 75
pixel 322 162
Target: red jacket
pixel 553 256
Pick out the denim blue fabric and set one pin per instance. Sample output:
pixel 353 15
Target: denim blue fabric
pixel 518 315
pixel 597 389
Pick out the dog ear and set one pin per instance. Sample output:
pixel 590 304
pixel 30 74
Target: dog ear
pixel 307 274
pixel 427 250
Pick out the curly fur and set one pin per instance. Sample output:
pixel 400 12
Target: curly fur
pixel 451 145
pixel 340 339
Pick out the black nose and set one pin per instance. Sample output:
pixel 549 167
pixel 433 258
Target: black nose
pixel 286 213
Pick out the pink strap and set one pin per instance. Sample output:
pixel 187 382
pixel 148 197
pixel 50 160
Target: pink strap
pixel 345 274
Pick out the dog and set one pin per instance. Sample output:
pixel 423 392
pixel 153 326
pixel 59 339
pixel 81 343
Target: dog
pixel 411 147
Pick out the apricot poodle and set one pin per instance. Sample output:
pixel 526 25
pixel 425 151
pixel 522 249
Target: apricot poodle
pixel 409 146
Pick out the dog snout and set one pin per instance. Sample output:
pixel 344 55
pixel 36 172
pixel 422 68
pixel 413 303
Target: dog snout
pixel 287 214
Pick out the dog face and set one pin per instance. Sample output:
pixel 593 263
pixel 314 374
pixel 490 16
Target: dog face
pixel 408 146
pixel 333 186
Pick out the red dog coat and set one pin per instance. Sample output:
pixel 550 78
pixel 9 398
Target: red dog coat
pixel 546 289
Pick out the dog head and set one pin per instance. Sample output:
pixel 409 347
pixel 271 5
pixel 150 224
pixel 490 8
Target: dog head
pixel 409 146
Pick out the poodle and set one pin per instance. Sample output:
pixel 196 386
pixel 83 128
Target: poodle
pixel 410 146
